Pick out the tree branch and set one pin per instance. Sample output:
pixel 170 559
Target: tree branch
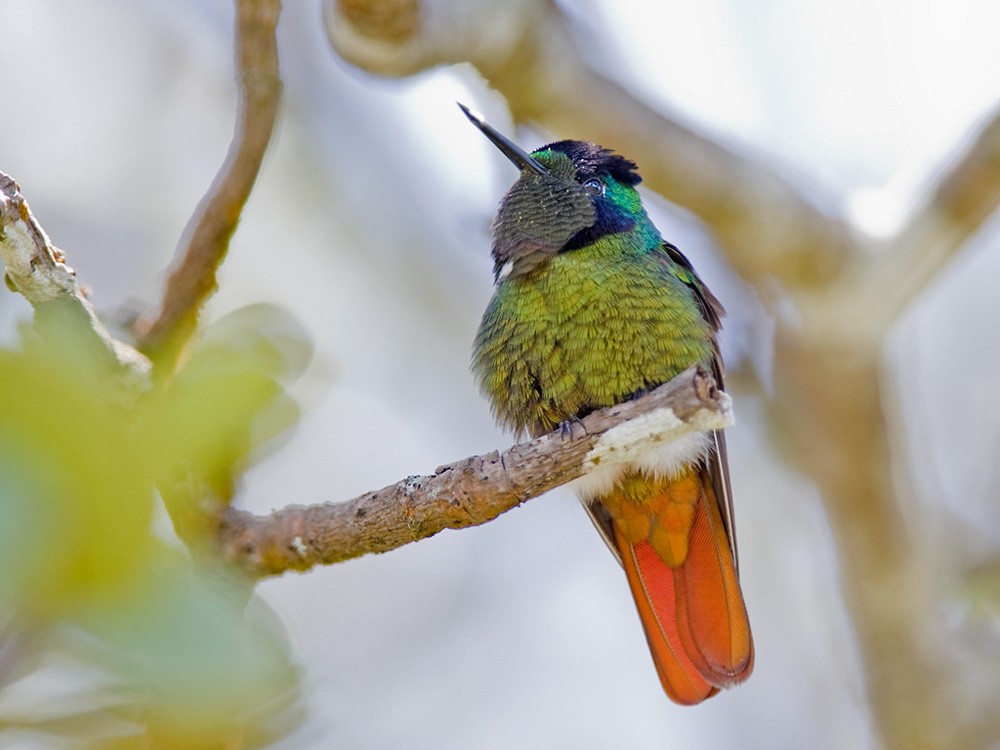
pixel 37 270
pixel 965 196
pixel 193 280
pixel 529 53
pixel 471 491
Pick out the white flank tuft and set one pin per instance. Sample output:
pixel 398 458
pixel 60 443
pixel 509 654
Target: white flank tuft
pixel 658 444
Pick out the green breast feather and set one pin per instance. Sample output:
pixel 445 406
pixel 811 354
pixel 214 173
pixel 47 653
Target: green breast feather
pixel 586 329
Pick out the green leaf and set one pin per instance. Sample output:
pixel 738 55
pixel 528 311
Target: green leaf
pixel 76 490
pixel 229 398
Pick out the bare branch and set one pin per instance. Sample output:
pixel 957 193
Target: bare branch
pixel 965 196
pixel 969 192
pixel 37 270
pixel 529 53
pixel 193 280
pixel 465 493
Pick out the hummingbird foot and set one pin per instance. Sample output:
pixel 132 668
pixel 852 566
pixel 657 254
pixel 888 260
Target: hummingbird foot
pixel 567 426
pixel 640 393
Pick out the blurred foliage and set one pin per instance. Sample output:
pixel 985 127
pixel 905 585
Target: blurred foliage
pixel 227 405
pixel 168 651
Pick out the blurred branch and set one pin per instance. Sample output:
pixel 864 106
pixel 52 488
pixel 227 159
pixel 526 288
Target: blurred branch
pixel 965 196
pixel 529 53
pixel 465 493
pixel 193 279
pixel 37 270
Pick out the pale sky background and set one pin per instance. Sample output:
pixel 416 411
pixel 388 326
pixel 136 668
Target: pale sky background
pixel 370 223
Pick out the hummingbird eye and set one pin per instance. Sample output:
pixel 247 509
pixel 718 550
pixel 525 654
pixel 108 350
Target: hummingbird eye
pixel 594 186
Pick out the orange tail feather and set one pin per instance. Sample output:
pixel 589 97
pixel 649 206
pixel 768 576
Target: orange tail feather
pixel 693 611
pixel 652 584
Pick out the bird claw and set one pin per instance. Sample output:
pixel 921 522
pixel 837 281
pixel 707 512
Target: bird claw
pixel 640 393
pixel 567 425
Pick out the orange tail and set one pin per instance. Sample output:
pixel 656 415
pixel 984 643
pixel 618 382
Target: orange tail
pixel 676 553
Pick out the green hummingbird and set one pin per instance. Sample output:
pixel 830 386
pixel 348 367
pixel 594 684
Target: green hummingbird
pixel 592 307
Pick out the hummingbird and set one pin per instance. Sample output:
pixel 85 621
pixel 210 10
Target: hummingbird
pixel 593 307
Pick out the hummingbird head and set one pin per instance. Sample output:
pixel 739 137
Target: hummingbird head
pixel 569 194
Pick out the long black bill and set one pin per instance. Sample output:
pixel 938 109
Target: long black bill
pixel 521 158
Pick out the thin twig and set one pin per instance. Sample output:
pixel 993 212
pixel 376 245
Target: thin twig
pixel 36 269
pixel 193 280
pixel 465 493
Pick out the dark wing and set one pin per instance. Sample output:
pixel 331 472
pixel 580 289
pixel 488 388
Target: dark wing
pixel 718 462
pixel 711 309
pixel 601 519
